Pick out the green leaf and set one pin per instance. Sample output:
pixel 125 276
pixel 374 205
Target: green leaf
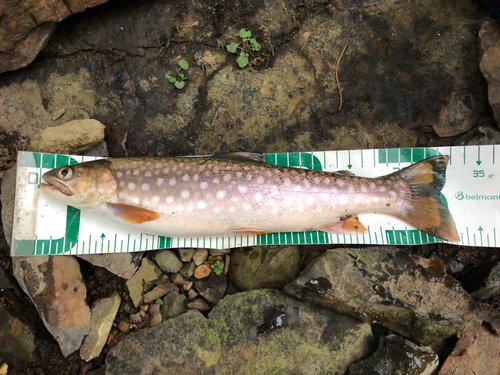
pixel 218 267
pixel 172 79
pixel 181 76
pixel 255 45
pixel 180 84
pixel 184 64
pixel 242 60
pixel 168 74
pixel 232 47
pixel 159 302
pixel 245 34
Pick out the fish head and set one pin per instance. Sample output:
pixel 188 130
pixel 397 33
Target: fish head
pixel 85 185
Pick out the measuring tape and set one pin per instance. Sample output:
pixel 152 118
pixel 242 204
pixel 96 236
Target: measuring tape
pixel 45 227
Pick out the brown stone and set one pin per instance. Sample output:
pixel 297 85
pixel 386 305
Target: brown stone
pixel 202 271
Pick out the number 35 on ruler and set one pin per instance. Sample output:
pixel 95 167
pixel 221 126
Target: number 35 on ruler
pixel 478 173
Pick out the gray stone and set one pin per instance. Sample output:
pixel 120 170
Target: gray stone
pixel 491 287
pixel 18 341
pixel 188 270
pixel 186 255
pixel 410 295
pixel 155 317
pixel 218 252
pixel 200 256
pixel 120 264
pixel 213 288
pixel 489 36
pixel 397 356
pixel 198 304
pixel 147 273
pixel 174 304
pixel 264 267
pixel 159 292
pixel 56 287
pixel 168 261
pixel 256 332
pixel 100 149
pixel 102 315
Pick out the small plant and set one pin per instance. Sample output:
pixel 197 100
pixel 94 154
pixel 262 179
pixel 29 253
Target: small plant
pixel 248 45
pixel 212 9
pixel 218 267
pixel 178 79
pixel 159 302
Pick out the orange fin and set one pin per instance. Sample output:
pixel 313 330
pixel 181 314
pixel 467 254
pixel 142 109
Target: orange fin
pixel 133 214
pixel 246 232
pixel 423 207
pixel 347 225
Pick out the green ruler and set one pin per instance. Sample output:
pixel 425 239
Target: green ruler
pixel 43 226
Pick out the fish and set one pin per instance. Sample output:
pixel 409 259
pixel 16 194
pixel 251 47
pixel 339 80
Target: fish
pixel 238 194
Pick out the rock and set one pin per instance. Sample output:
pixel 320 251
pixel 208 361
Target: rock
pixel 174 304
pixel 120 264
pixel 168 261
pixel 198 304
pixel 202 271
pixel 179 280
pixel 136 318
pixel 100 149
pixel 56 287
pixel 159 292
pixel 18 340
pixel 192 294
pixel 410 295
pixel 257 332
pixel 264 267
pixel 491 287
pixel 124 327
pixel 4 281
pixel 489 36
pixel 187 270
pixel 396 356
pixel 27 26
pixel 102 315
pixel 200 256
pixel 186 255
pixel 3 368
pixel 218 252
pixel 7 198
pixel 147 273
pixel 213 288
pixel 475 353
pixel 155 315
pixel 73 137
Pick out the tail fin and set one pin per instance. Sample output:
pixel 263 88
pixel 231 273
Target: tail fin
pixel 424 209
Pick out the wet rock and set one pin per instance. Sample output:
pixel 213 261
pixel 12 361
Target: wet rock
pixel 198 304
pixel 411 295
pixel 491 287
pixel 213 288
pixel 264 267
pixel 257 332
pixel 159 292
pixel 395 356
pixel 56 287
pixel 102 315
pixel 186 255
pixel 72 137
pixel 200 256
pixel 7 198
pixel 120 264
pixel 27 25
pixel 475 353
pixel 490 65
pixel 168 261
pixel 188 270
pixel 146 274
pixel 174 305
pixel 155 317
pixel 18 341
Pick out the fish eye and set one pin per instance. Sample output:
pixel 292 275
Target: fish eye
pixel 65 173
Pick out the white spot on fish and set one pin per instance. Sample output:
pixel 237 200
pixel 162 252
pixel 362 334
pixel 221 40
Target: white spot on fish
pixel 127 172
pixel 350 189
pixel 288 200
pixel 159 165
pixel 392 193
pixel 343 200
pixel 249 177
pixel 258 197
pixel 147 174
pixel 239 174
pixel 196 177
pixel 316 180
pixel 137 172
pixel 189 208
pixel 309 199
pixel 232 209
pixel 376 199
pixel 326 181
pixel 372 185
pixel 159 181
pixel 122 183
pixel 166 170
pixel 185 177
pixel 246 206
pixel 297 188
pixel 179 207
pixel 136 201
pixel 227 177
pixel 185 194
pixel 203 185
pixel 145 187
pixel 215 180
pixel 363 188
pixel 324 196
pixel 155 199
pixel 340 182
pixel 260 179
pixel 131 186
pixel 201 205
pixel 287 182
pixel 172 182
pixel 358 199
pixel 170 199
pixel 307 183
pixel 119 174
pixel 220 194
pixel 242 189
pixel 382 188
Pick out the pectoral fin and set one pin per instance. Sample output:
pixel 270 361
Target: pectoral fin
pixel 346 225
pixel 133 214
pixel 246 231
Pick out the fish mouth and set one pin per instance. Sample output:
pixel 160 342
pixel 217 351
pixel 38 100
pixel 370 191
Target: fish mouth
pixel 56 186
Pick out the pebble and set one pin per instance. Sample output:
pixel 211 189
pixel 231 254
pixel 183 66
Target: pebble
pixel 198 304
pixel 142 313
pixel 178 279
pixel 168 261
pixel 192 294
pixel 155 316
pixel 212 289
pixel 203 271
pixel 174 304
pixel 226 264
pixel 159 292
pixel 163 279
pixel 3 368
pixel 136 318
pixel 200 256
pixel 186 255
pixel 145 308
pixel 147 273
pixel 188 286
pixel 219 252
pixel 124 327
pixel 188 270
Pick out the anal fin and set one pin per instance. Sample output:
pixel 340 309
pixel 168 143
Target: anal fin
pixel 133 214
pixel 346 225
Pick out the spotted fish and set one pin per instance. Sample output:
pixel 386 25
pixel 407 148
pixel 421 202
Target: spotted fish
pixel 231 195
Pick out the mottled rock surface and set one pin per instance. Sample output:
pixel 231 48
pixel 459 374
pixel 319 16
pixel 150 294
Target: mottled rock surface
pixel 147 273
pixel 7 197
pixel 174 304
pixel 490 63
pixel 56 287
pixel 411 295
pixel 18 340
pixel 120 264
pixel 491 285
pixel 168 261
pixel 257 332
